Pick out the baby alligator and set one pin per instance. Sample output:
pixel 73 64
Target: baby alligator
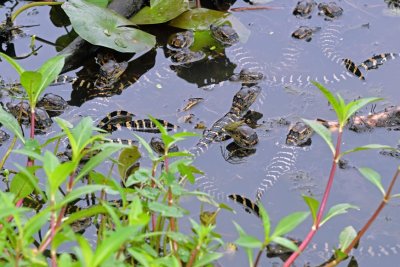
pixel 242 101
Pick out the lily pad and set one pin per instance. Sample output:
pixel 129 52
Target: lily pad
pixel 102 26
pixel 160 11
pixel 200 19
pixel 127 158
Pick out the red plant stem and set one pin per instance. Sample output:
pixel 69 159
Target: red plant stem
pixel 365 228
pixel 32 133
pixel 48 240
pixel 321 209
pixel 30 161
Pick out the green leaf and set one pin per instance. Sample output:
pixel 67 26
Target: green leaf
pixel 265 220
pixel 21 186
pixel 13 63
pixel 338 209
pixel 81 134
pixel 160 12
pixel 126 159
pixel 289 222
pixel 331 99
pixel 321 131
pixel 49 70
pixel 78 192
pixel 34 224
pixel 31 81
pixel 150 151
pixel 208 258
pixel 373 177
pixel 99 158
pixel 313 205
pixel 60 174
pixel 346 237
pixel 200 19
pixel 112 243
pixel 11 123
pixel 140 256
pixel 85 251
pixel 287 243
pixel 366 147
pixel 50 162
pixel 104 27
pixel 165 210
pixel 248 241
pixel 28 172
pixel 355 105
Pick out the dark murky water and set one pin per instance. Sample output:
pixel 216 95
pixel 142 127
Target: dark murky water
pixel 161 93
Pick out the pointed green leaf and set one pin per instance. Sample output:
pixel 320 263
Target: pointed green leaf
pixel 33 180
pixel 78 192
pixel 50 71
pixel 366 147
pixel 313 205
pixel 11 123
pixel 112 243
pixel 208 258
pixel 248 241
pixel 265 220
pixel 60 174
pixel 373 177
pixel 346 237
pixel 34 224
pixel 104 27
pixel 336 210
pixel 13 63
pixel 150 151
pixel 21 186
pixel 165 210
pixel 355 105
pixel 160 12
pixel 99 158
pixel 31 81
pixel 287 243
pixel 322 131
pixel 331 99
pixel 85 251
pixel 289 222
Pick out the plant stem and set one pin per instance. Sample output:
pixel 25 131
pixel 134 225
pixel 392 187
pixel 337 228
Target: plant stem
pixel 193 256
pixel 324 201
pixel 258 256
pixel 25 7
pixel 8 152
pixel 371 220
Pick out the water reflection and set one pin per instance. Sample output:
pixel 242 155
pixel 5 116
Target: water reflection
pixel 89 73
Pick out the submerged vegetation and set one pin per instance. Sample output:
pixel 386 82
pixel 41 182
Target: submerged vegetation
pixel 135 217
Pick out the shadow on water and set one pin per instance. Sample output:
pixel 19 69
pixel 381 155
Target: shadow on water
pixel 152 85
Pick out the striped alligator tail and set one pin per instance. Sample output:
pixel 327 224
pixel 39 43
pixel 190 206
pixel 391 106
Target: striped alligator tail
pixel 376 60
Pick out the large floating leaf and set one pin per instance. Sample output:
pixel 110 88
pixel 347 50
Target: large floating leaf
pixel 160 11
pixel 101 26
pixel 200 19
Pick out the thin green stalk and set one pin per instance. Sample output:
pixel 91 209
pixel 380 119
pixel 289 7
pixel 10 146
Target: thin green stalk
pixel 324 201
pixel 8 152
pixel 27 6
